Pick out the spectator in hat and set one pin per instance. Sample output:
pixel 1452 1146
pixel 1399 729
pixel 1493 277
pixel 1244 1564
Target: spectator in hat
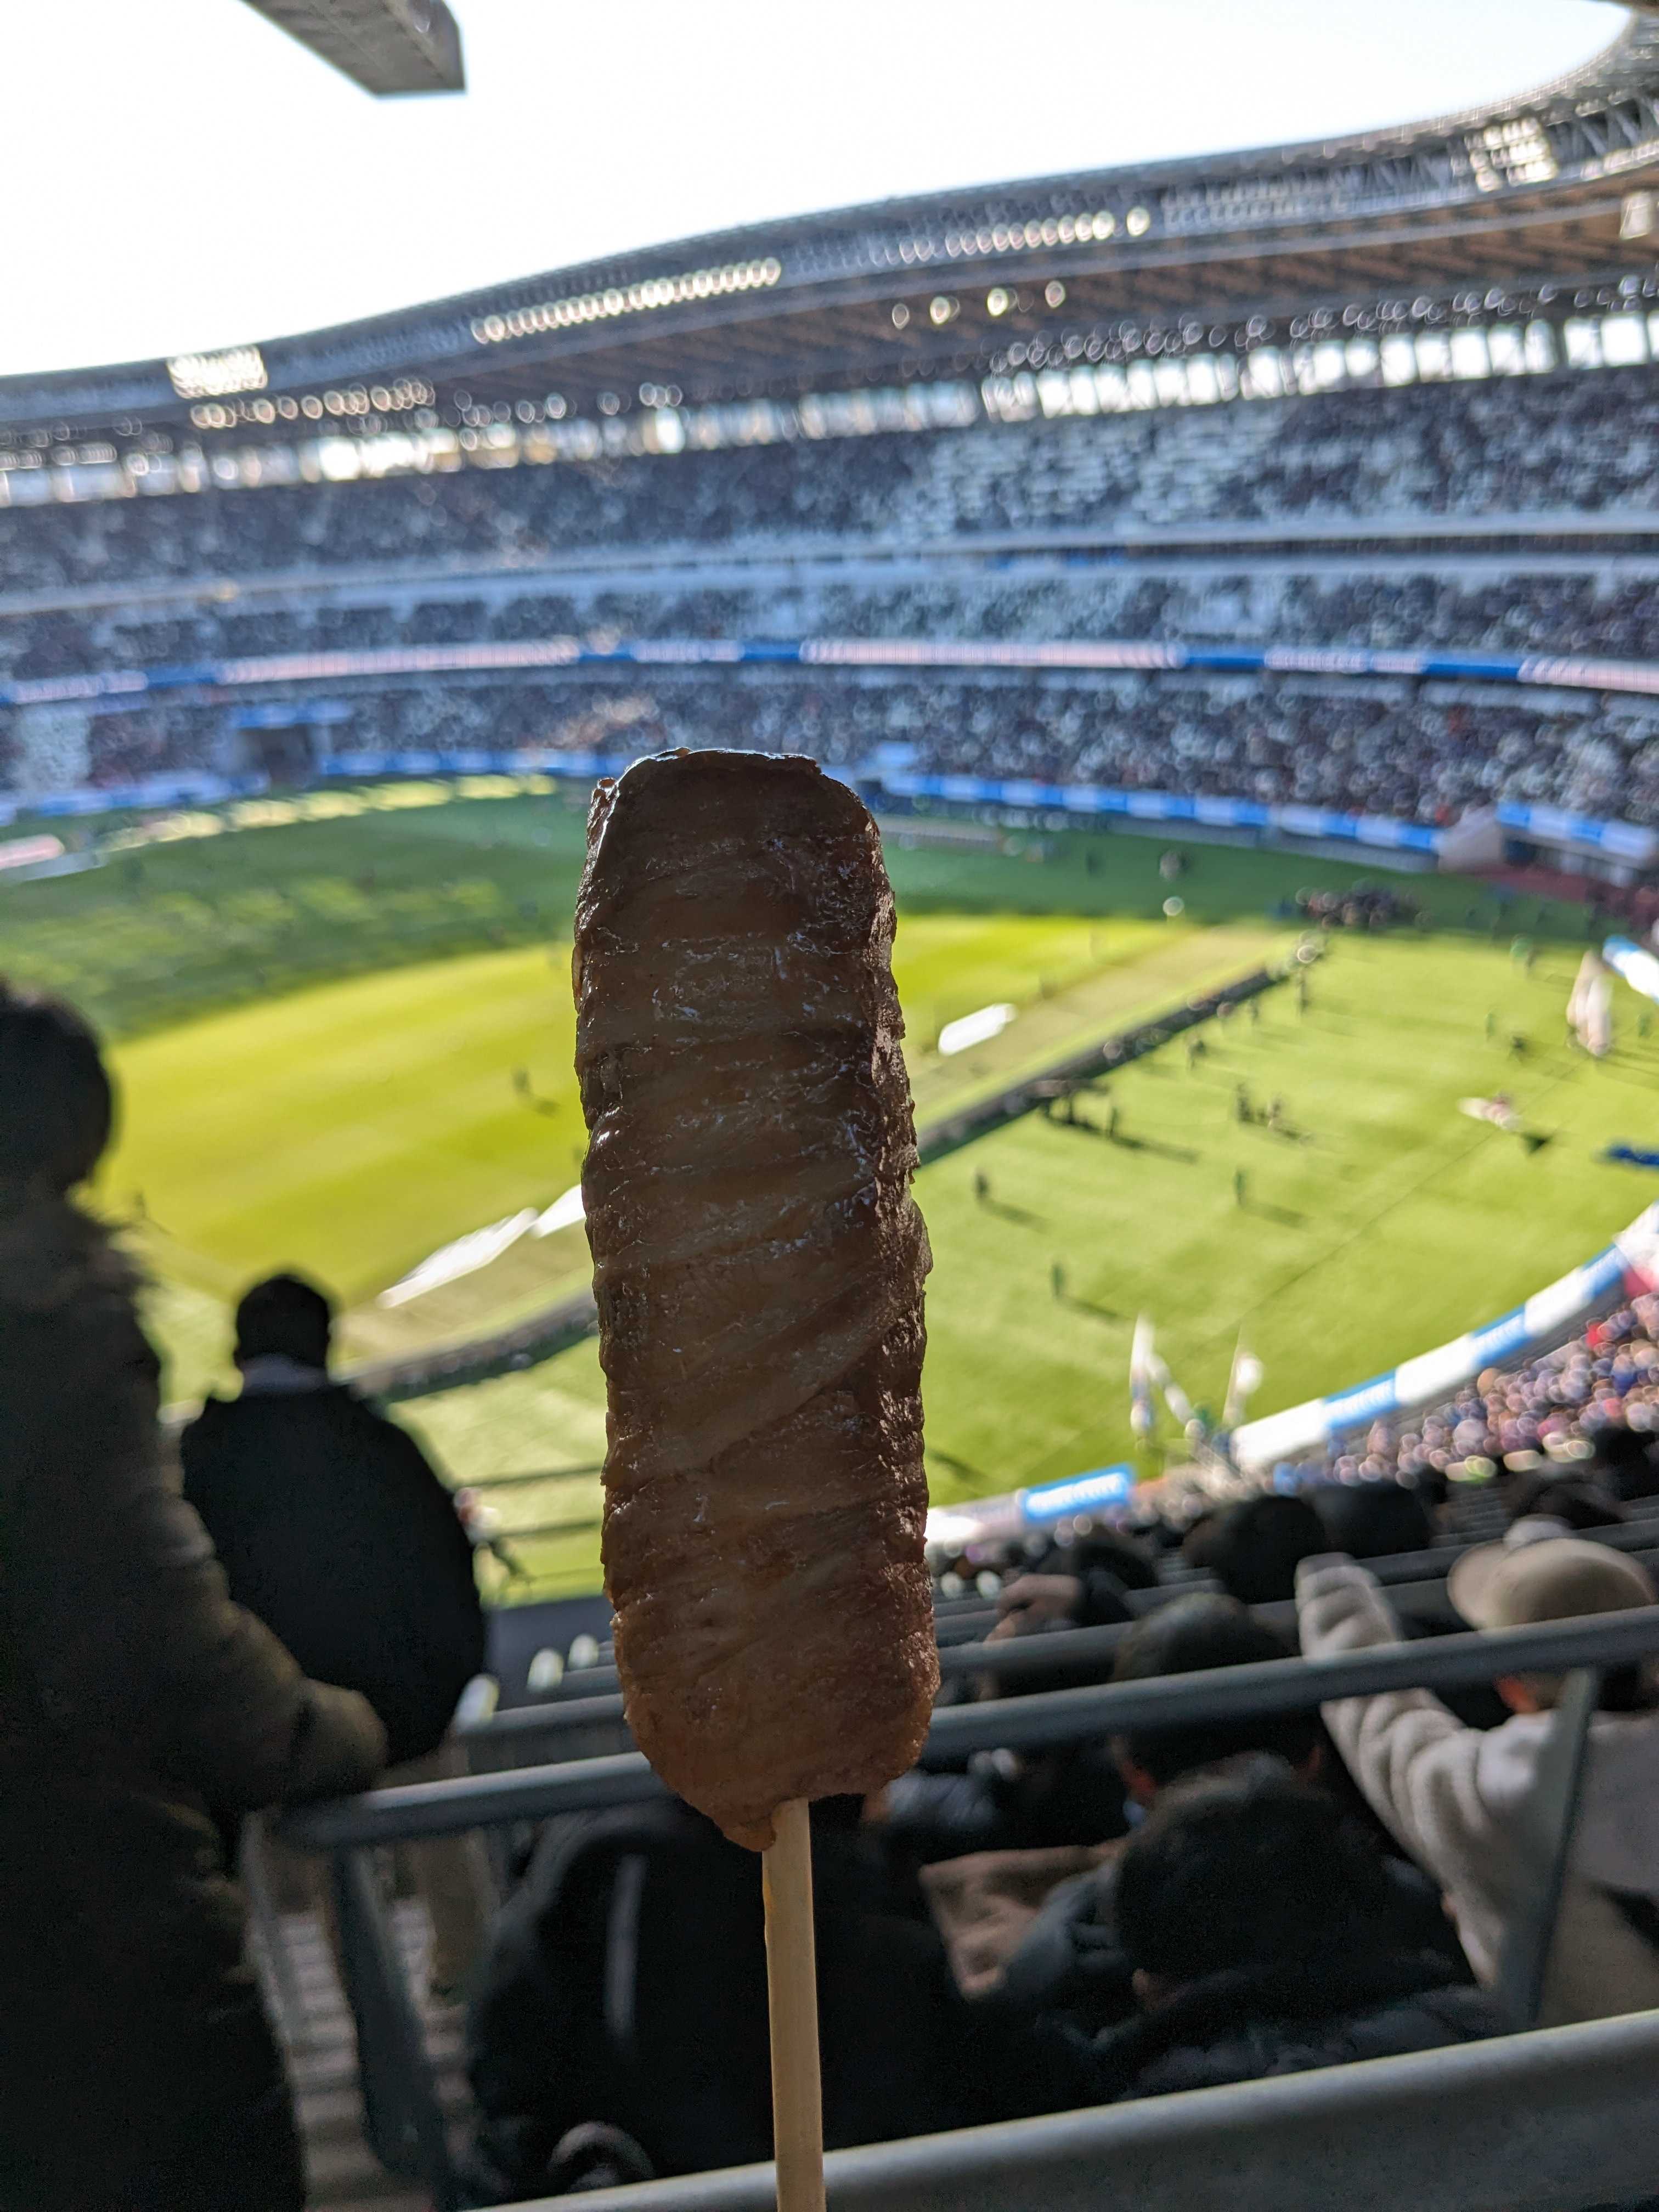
pixel 1459 1799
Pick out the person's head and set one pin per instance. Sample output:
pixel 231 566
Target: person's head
pixel 1246 1867
pixel 1372 1520
pixel 57 1104
pixel 1520 1584
pixel 1120 1555
pixel 1430 1486
pixel 1259 1544
pixel 1545 1495
pixel 1624 1463
pixel 1197 1540
pixel 1185 1638
pixel 284 1317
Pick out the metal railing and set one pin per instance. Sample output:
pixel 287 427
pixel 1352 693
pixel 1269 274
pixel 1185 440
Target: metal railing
pixel 1549 2122
pixel 399 2114
pixel 1415 1580
pixel 590 1711
pixel 530 1792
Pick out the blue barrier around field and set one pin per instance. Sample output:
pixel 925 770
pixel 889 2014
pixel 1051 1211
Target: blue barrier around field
pixel 1620 839
pixel 1077 1493
pixel 1571 673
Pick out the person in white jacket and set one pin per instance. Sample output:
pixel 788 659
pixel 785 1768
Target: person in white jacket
pixel 1459 1799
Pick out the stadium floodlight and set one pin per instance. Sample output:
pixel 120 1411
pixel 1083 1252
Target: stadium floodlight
pixel 390 48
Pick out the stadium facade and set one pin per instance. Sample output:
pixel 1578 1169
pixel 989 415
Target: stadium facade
pixel 1283 269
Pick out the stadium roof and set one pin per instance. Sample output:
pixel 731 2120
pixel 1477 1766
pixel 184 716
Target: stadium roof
pixel 1458 216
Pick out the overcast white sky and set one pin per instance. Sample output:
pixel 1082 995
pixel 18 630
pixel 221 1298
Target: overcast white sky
pixel 178 175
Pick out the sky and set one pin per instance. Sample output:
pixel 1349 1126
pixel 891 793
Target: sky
pixel 179 175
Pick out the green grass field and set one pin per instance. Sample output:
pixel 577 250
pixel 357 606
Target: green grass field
pixel 317 1026
pixel 1391 1223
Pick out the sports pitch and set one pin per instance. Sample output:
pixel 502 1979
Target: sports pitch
pixel 344 1045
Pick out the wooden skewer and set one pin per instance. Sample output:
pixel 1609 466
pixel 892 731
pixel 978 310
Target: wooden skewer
pixel 792 1988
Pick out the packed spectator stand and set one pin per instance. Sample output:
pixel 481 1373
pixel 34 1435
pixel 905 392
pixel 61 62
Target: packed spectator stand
pixel 1010 531
pixel 1037 1716
pixel 1310 741
pixel 1599 1392
pixel 1555 447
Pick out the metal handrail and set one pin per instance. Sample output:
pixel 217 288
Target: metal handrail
pixel 1031 1654
pixel 402 2120
pixel 1546 2121
pixel 1006 1663
pixel 1547 1823
pixel 557 1717
pixel 1604 1640
pixel 1412 1579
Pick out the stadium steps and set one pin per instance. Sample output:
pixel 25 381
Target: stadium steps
pixel 343 2173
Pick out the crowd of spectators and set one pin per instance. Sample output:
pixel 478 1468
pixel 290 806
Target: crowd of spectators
pixel 1425 753
pixel 1596 1396
pixel 1414 759
pixel 1539 446
pixel 1319 742
pixel 1365 907
pixel 1473 611
pixel 1586 443
pixel 123 749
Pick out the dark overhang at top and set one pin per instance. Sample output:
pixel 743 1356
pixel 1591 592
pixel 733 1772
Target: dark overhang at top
pixel 392 48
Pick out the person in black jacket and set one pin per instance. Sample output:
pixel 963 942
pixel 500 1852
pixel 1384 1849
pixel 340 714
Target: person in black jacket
pixel 1259 1925
pixel 137 2071
pixel 1072 1965
pixel 336 1532
pixel 332 1527
pixel 1254 1547
pixel 624 1990
pixel 1371 1520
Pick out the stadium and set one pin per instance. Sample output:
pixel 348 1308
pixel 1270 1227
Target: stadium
pixel 1228 582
